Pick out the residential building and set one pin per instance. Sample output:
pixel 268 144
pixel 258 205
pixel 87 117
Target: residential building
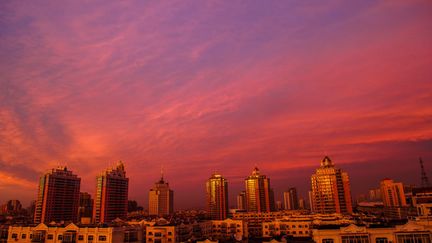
pixel 217 197
pixel 58 196
pixel 111 199
pixel 331 191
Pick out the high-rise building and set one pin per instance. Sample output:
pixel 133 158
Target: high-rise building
pixel 161 199
pixel 241 200
pixel 111 199
pixel 392 193
pixel 85 209
pixel 331 191
pixel 375 195
pixel 58 196
pixel 217 197
pixel 12 206
pixel 258 193
pixel 290 199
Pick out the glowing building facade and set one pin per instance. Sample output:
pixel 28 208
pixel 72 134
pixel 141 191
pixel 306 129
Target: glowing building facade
pixel 241 200
pixel 331 191
pixel 111 199
pixel 58 196
pixel 392 193
pixel 217 197
pixel 161 199
pixel 290 199
pixel 258 193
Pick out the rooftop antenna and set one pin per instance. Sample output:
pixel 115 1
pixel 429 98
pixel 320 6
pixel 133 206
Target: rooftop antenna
pixel 424 178
pixel 162 173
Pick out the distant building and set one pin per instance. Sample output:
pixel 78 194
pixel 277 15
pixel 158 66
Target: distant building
pixel 331 191
pixel 217 197
pixel 241 201
pixel 375 195
pixel 392 193
pixel 290 199
pixel 161 199
pixel 279 206
pixel 11 206
pixel 85 210
pixel 259 196
pixel 111 200
pixel 58 196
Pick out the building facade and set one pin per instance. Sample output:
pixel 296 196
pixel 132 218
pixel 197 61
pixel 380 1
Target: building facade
pixel 72 233
pixel 258 193
pixel 290 199
pixel 331 191
pixel 408 233
pixel 161 199
pixel 392 193
pixel 241 201
pixel 58 196
pixel 217 197
pixel 111 199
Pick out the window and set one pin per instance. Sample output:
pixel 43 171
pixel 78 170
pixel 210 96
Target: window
pixel 381 240
pixel 355 239
pixel 14 236
pixel 170 233
pixel 60 237
pixel 413 238
pixel 158 234
pixel 80 237
pixel 50 237
pixel 23 236
pixel 90 237
pixel 102 237
pixel 327 241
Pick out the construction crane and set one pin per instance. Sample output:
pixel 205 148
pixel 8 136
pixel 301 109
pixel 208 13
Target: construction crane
pixel 424 178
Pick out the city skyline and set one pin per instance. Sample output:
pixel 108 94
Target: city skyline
pixel 214 86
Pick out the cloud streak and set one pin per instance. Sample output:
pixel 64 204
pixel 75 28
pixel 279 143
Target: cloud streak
pixel 210 87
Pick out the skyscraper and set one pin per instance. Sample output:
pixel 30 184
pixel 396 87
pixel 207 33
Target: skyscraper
pixel 58 196
pixel 331 191
pixel 290 199
pixel 258 193
pixel 392 193
pixel 217 197
pixel 111 199
pixel 241 200
pixel 161 199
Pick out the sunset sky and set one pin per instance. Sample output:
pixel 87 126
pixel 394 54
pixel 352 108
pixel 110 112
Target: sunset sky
pixel 205 86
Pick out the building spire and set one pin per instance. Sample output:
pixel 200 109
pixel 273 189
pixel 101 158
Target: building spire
pixel 424 178
pixel 162 174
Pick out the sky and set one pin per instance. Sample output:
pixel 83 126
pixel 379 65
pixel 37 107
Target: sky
pixel 198 87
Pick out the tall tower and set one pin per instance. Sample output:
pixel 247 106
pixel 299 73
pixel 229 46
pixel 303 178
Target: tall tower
pixel 58 196
pixel 111 199
pixel 290 199
pixel 258 192
pixel 217 197
pixel 241 200
pixel 161 199
pixel 392 193
pixel 331 191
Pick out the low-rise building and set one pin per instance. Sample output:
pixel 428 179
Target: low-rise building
pixel 72 233
pixel 289 226
pixel 410 232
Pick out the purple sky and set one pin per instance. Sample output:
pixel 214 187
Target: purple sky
pixel 204 86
